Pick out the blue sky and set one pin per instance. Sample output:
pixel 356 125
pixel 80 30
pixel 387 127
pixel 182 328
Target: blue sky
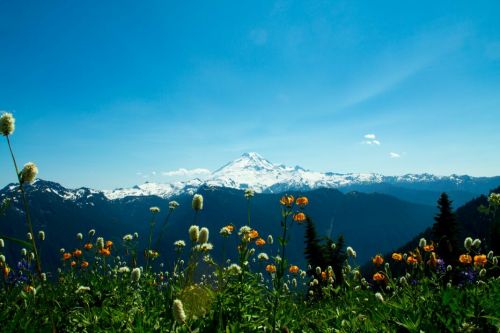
pixel 106 92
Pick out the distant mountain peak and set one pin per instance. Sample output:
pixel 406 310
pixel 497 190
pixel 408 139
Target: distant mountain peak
pixel 251 170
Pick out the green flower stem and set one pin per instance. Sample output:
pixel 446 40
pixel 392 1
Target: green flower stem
pixel 27 210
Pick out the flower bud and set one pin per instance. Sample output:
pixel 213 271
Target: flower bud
pixel 422 242
pixel 2 243
pixel 476 243
pixel 270 240
pixel 482 272
pixel 379 297
pixel 29 236
pixel 91 232
pixel 2 258
pixel 24 252
pixel 468 243
pixel 41 235
pixel 490 255
pixel 43 276
pixel 79 236
pixel 318 270
pixel 449 268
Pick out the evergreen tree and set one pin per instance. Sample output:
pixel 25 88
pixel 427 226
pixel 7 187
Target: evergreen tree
pixel 445 231
pixel 335 257
pixel 313 251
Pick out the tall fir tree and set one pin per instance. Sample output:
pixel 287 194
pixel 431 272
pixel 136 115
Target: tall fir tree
pixel 445 231
pixel 313 251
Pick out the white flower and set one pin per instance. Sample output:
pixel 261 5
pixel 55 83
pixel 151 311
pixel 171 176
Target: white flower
pixel 29 236
pixel 263 256
pixel 91 232
pixel 422 242
pixel 350 252
pixel 179 244
pixel 41 235
pixel 24 252
pixel 128 237
pixel 79 236
pixel 225 231
pixel 2 243
pixel 123 269
pixel 173 205
pixel 270 240
pixel 234 269
pixel 206 247
pixel 379 297
pixel 244 230
pixel 154 210
pixel 318 270
pixel 82 289
pixel 2 258
pixel 249 193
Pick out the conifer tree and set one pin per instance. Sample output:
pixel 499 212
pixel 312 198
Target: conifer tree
pixel 313 251
pixel 445 231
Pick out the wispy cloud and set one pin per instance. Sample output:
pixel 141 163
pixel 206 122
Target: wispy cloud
pixel 182 172
pixel 399 62
pixel 371 139
pixel 394 155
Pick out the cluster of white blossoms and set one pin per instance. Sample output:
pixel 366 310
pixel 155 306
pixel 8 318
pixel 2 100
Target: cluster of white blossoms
pixel 154 210
pixel 180 244
pixel 128 237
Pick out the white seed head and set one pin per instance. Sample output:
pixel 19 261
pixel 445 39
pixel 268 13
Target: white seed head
pixel 203 238
pixel 197 202
pixel 7 123
pixel 178 311
pixel 136 274
pixel 28 173
pixel 194 233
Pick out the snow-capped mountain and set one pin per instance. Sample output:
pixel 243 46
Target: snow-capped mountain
pixel 251 170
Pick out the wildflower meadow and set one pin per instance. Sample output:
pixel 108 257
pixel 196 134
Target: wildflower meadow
pixel 106 286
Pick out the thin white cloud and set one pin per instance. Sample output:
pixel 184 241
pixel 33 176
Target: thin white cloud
pixel 182 172
pixel 371 140
pixel 394 155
